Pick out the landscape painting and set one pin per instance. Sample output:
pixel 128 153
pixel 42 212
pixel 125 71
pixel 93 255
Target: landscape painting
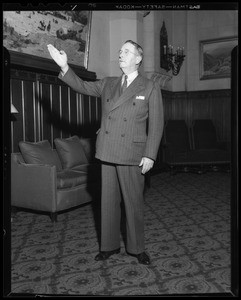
pixel 29 32
pixel 215 57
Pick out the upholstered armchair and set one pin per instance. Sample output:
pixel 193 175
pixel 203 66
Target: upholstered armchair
pixel 177 152
pixel 52 180
pixel 208 145
pixel 184 149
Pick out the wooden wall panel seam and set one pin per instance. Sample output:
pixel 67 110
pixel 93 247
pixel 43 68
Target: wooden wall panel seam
pixel 51 108
pixel 34 112
pixel 60 109
pixel 69 110
pixel 23 110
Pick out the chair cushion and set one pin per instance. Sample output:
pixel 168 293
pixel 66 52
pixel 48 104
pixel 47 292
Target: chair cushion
pixel 176 136
pixel 70 151
pixel 93 171
pixel 40 153
pixel 70 179
pixel 87 168
pixel 199 157
pixel 212 155
pixel 89 148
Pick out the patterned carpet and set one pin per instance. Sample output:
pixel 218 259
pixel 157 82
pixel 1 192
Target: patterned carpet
pixel 187 233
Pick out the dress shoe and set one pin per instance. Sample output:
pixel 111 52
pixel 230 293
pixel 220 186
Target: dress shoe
pixel 143 258
pixel 103 255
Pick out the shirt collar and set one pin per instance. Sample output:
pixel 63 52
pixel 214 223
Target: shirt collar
pixel 131 77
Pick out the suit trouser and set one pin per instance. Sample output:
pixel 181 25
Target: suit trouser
pixel 127 182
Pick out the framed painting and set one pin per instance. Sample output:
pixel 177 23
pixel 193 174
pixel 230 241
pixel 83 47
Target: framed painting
pixel 215 57
pixel 26 35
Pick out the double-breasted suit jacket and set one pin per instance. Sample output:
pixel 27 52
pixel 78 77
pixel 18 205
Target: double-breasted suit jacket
pixel 131 123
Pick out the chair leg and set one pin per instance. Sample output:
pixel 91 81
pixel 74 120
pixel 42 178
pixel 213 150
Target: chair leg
pixel 53 216
pixel 173 171
pixel 14 210
pixel 148 179
pixel 202 170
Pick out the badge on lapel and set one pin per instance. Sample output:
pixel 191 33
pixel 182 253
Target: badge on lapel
pixel 140 97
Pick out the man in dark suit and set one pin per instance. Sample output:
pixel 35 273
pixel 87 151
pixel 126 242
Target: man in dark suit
pixel 127 145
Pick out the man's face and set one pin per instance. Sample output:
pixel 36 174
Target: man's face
pixel 129 58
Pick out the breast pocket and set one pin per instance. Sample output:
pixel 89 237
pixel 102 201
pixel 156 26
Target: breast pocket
pixel 141 107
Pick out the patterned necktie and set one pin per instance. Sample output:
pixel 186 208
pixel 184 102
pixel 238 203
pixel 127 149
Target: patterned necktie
pixel 124 85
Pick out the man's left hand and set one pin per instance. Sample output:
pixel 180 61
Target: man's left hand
pixel 146 164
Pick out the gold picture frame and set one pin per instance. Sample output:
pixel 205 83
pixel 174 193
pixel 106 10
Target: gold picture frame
pixel 215 57
pixel 26 35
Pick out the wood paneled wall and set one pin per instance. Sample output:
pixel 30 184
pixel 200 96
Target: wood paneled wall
pixel 48 109
pixel 212 104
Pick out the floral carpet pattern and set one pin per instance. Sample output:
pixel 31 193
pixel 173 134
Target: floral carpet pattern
pixel 187 234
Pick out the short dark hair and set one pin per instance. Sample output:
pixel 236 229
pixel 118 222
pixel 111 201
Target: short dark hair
pixel 138 48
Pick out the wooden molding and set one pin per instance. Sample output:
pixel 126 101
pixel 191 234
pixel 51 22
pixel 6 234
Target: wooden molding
pixel 37 64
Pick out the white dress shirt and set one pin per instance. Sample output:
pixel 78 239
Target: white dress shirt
pixel 130 78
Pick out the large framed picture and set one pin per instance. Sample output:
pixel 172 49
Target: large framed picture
pixel 215 57
pixel 26 35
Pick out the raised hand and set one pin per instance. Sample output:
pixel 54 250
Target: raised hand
pixel 60 57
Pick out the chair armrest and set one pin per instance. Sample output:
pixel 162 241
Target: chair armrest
pixel 169 146
pixel 168 151
pixel 33 186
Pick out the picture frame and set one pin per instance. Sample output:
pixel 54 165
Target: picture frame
pixel 215 57
pixel 26 35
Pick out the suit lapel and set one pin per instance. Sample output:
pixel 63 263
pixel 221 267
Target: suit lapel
pixel 132 89
pixel 115 89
